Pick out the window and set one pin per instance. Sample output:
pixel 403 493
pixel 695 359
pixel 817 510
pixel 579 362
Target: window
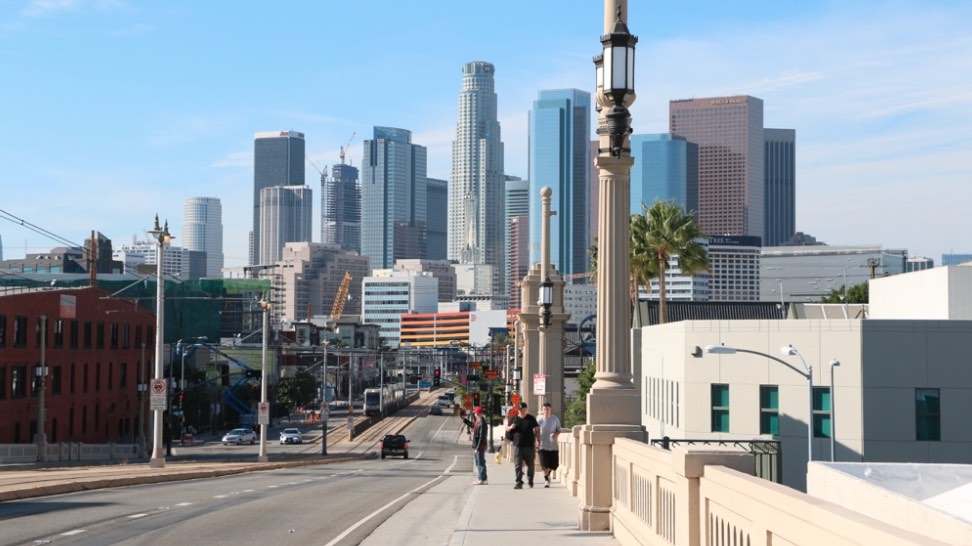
pixel 100 336
pixel 20 332
pixel 928 415
pixel 113 333
pixel 821 412
pixel 3 330
pixel 74 334
pixel 59 333
pixel 56 380
pixel 122 375
pixel 87 335
pixel 769 409
pixel 3 383
pixel 18 381
pixel 720 408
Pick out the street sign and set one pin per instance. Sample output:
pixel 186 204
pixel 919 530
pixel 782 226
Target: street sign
pixel 424 384
pixel 516 399
pixel 325 411
pixel 539 383
pixel 158 395
pixel 491 374
pixel 263 413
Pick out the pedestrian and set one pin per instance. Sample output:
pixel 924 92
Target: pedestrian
pixel 526 440
pixel 479 444
pixel 549 450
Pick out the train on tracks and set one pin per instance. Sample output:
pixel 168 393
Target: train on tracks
pixel 384 401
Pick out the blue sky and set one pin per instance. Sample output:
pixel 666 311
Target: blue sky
pixel 114 110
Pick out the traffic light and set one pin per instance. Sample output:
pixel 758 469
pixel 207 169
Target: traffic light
pixel 475 399
pixel 437 377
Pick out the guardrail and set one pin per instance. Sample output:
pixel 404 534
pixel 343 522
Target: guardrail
pixel 67 452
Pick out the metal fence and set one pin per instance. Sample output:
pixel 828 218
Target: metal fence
pixel 767 454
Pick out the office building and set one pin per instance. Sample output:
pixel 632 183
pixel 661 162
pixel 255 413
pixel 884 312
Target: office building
pixel 779 205
pixel 519 257
pixel 388 294
pixel 341 208
pixel 440 269
pixel 476 191
pixel 202 231
pixel 437 223
pixel 393 198
pixel 559 140
pixel 278 160
pixel 285 217
pixel 918 263
pixel 308 277
pixel 809 273
pixel 734 268
pixel 956 259
pixel 666 168
pixel 729 132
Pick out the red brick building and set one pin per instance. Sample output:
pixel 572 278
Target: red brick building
pixel 93 349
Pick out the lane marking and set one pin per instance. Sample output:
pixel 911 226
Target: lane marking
pixel 184 504
pixel 136 516
pixel 74 532
pixel 220 496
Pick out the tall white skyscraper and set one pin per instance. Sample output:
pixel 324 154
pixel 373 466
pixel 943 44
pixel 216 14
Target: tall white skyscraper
pixel 477 187
pixel 285 217
pixel 278 160
pixel 202 230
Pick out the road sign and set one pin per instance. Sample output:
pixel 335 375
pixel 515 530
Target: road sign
pixel 158 395
pixel 539 383
pixel 491 374
pixel 325 411
pixel 264 413
pixel 424 384
pixel 516 399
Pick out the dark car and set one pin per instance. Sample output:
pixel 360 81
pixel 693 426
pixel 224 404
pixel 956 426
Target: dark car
pixel 435 410
pixel 394 444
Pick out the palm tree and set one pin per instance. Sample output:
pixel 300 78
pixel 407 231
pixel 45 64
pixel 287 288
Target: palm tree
pixel 663 231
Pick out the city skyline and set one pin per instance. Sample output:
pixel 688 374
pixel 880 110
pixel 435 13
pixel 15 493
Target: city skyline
pixel 143 106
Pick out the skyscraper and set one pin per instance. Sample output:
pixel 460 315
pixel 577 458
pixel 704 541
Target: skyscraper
pixel 517 236
pixel 559 145
pixel 202 230
pixel 438 224
pixel 341 208
pixel 285 217
pixel 278 160
pixel 780 200
pixel 476 231
pixel 393 198
pixel 666 168
pixel 729 132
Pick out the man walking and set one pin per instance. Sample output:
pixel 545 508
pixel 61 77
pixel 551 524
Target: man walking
pixel 479 444
pixel 549 450
pixel 526 440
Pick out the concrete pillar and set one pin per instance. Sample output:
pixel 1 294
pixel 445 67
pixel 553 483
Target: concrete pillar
pixel 613 408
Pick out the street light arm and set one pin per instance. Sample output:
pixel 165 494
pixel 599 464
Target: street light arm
pixel 805 374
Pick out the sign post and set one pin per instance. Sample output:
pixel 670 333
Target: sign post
pixel 159 395
pixel 539 384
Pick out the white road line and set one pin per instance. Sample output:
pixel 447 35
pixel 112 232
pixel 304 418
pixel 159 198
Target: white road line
pixel 136 516
pixel 220 496
pixel 74 532
pixel 370 516
pixel 184 504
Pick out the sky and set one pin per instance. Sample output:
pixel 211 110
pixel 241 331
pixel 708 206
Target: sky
pixel 112 111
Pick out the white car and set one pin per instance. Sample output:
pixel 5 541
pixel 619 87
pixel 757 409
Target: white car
pixel 239 436
pixel 290 436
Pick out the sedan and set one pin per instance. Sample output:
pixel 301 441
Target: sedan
pixel 290 436
pixel 239 436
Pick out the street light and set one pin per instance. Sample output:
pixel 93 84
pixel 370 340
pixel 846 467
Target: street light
pixel 545 301
pixel 833 411
pixel 808 374
pixel 162 238
pixel 265 305
pixel 614 70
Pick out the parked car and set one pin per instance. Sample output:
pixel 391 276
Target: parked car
pixel 394 444
pixel 239 436
pixel 290 436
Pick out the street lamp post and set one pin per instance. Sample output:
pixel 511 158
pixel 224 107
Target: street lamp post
pixel 162 238
pixel 833 411
pixel 265 304
pixel 41 437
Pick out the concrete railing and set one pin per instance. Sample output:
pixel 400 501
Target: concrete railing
pixel 692 497
pixel 67 452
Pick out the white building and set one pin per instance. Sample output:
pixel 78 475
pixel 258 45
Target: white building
pixel 202 230
pixel 388 294
pixel 580 301
pixel 286 216
pixel 902 389
pixel 808 273
pixel 734 263
pixel 175 261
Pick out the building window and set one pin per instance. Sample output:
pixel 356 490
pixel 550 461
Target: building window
pixel 87 335
pixel 20 332
pixel 100 336
pixel 59 333
pixel 84 378
pixel 3 383
pixel 74 334
pixel 18 382
pixel 122 375
pixel 720 408
pixel 821 412
pixel 928 415
pixel 138 335
pixel 769 409
pixel 56 380
pixel 113 333
pixel 3 330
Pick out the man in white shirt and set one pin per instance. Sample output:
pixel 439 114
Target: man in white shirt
pixel 549 432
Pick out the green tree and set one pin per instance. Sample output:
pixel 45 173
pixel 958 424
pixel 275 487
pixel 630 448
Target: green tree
pixel 855 294
pixel 663 231
pixel 576 412
pixel 297 391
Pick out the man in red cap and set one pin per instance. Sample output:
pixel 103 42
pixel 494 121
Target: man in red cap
pixel 479 444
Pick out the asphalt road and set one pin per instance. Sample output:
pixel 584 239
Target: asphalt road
pixel 339 503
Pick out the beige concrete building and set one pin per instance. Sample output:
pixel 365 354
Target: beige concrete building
pixel 940 293
pixel 308 277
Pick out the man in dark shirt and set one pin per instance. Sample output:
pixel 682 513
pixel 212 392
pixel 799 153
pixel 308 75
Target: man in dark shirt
pixel 526 440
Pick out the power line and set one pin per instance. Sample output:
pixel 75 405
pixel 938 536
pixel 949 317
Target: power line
pixel 37 229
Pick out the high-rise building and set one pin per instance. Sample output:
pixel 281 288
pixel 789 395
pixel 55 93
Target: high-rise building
pixel 278 160
pixel 437 200
pixel 476 230
pixel 341 208
pixel 390 293
pixel 285 217
pixel 559 140
pixel 394 197
pixel 734 268
pixel 779 205
pixel 517 235
pixel 955 259
pixel 666 168
pixel 729 132
pixel 440 269
pixel 202 230
pixel 308 278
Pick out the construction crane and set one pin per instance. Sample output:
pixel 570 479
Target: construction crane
pixel 347 146
pixel 342 297
pixel 320 172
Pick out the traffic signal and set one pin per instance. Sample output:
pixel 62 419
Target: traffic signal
pixel 437 377
pixel 475 399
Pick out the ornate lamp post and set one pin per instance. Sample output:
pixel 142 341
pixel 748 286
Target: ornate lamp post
pixel 162 238
pixel 265 305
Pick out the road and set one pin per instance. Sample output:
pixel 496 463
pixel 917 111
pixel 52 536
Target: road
pixel 329 504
